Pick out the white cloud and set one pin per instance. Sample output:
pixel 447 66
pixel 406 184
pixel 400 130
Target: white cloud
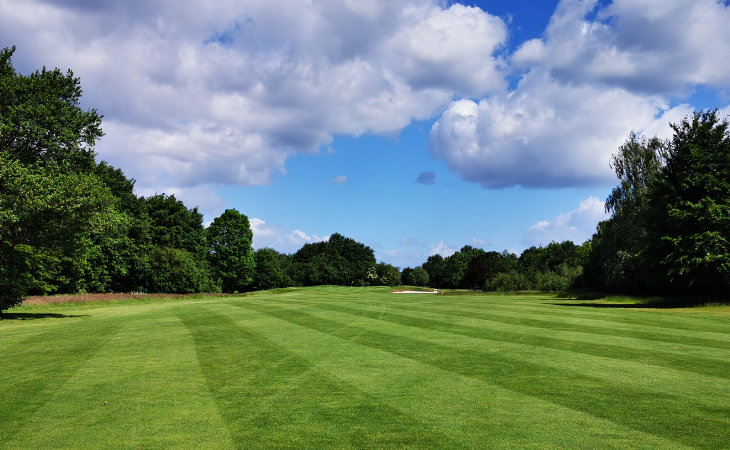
pixel 599 73
pixel 480 243
pixel 544 134
pixel 442 248
pixel 274 236
pixel 449 49
pixel 204 197
pixel 577 225
pixel 648 46
pixel 196 94
pixel 339 179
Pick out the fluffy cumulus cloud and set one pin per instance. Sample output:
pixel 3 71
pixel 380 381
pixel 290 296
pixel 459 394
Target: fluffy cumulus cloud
pixel 599 72
pixel 577 225
pixel 199 94
pixel 196 97
pixel 650 46
pixel 442 248
pixel 544 134
pixel 274 236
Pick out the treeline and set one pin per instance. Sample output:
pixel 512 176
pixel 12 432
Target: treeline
pixel 71 224
pixel 554 267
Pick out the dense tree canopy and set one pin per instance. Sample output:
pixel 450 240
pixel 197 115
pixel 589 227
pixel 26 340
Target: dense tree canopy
pixel 272 270
pixel 670 225
pixel 51 204
pixel 387 275
pixel 229 250
pixel 41 120
pixel 690 207
pixel 414 276
pixel 339 261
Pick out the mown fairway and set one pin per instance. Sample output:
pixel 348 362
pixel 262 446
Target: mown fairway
pixel 341 367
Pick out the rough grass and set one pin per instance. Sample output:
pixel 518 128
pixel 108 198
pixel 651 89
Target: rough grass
pixel 107 297
pixel 361 367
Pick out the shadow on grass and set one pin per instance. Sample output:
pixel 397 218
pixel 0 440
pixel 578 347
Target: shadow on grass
pixel 34 316
pixel 659 303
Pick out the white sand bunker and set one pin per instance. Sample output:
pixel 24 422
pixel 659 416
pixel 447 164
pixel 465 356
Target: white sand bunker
pixel 435 291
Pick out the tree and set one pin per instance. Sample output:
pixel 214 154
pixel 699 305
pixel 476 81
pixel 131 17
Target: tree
pixel 415 277
pixel 455 267
pixel 690 207
pixel 173 225
pixel 485 266
pixel 47 218
pixel 40 117
pixel 339 261
pixel 618 260
pixel 270 269
pixel 434 266
pixel 387 275
pixel 120 261
pixel 229 250
pixel 51 204
pixel 670 225
pixel 175 270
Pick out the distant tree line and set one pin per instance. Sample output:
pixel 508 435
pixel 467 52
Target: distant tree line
pixel 71 224
pixel 554 267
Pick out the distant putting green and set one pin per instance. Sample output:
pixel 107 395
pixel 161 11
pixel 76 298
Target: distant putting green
pixel 361 367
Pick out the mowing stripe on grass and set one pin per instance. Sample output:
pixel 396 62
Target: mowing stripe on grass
pixel 712 362
pixel 670 416
pixel 473 412
pixel 537 320
pixel 272 398
pixel 133 373
pixel 360 367
pixel 35 368
pixel 712 391
pixel 666 340
pixel 629 314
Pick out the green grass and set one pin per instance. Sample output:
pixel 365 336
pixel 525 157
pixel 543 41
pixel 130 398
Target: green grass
pixel 361 367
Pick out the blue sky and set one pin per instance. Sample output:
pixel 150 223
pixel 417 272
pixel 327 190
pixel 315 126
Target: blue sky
pixel 415 127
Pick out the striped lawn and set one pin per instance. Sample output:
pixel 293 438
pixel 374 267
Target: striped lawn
pixel 361 367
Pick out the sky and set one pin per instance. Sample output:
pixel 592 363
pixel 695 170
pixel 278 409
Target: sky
pixel 413 126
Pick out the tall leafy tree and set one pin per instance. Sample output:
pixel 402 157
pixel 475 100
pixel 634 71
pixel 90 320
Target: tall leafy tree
pixel 173 225
pixel 414 276
pixel 455 266
pixel 618 260
pixel 230 254
pixel 434 266
pixel 690 206
pixel 51 203
pixel 177 245
pixel 41 120
pixel 120 260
